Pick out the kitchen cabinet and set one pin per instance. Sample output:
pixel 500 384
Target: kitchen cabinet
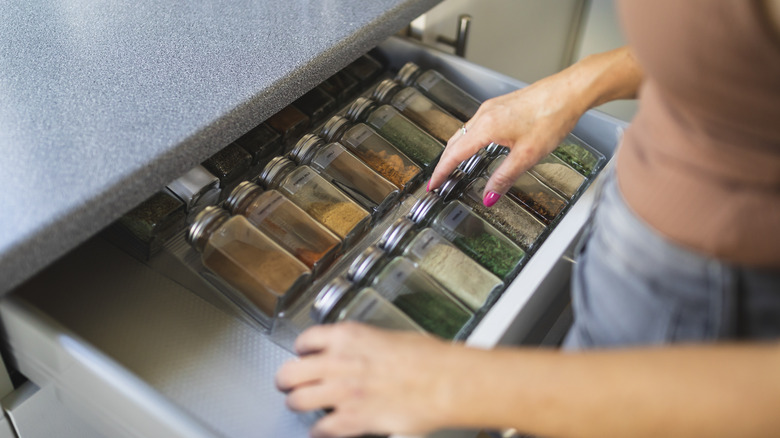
pixel 136 353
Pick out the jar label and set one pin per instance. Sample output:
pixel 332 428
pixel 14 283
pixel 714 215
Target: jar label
pixel 394 279
pixel 300 180
pixel 324 158
pixel 357 135
pixel 455 217
pixel 261 214
pixel 423 243
pixel 404 98
pixel 380 117
pixel 426 82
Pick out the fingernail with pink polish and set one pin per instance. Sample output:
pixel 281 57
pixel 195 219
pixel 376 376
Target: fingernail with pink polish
pixel 490 199
pixel 428 187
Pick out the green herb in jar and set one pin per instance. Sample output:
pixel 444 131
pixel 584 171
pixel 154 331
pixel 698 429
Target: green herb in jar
pixel 491 252
pixel 576 156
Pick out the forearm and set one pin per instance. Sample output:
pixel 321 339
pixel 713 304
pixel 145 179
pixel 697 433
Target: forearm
pixel 680 391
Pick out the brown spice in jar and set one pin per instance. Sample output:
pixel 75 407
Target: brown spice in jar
pixel 391 166
pixel 340 218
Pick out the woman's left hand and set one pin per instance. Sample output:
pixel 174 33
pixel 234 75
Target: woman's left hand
pixel 374 381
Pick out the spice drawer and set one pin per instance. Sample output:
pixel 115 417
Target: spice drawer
pixel 139 355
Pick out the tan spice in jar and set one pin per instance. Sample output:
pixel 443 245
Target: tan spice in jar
pixel 391 166
pixel 340 218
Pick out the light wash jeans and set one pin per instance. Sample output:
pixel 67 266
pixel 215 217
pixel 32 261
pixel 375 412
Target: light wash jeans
pixel 631 286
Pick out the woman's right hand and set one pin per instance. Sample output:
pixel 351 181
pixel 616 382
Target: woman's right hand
pixel 532 121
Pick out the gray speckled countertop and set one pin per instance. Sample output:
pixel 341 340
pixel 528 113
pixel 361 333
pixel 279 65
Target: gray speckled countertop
pixel 103 103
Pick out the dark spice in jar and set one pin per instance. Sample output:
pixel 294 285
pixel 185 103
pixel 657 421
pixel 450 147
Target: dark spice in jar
pixel 230 165
pixel 316 104
pixel 341 86
pixel 290 122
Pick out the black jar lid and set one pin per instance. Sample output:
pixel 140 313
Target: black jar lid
pixel 334 128
pixel 329 297
pixel 408 73
pixel 238 199
pixel 364 263
pixel 395 234
pixel 360 108
pixel 205 223
pixel 451 188
pixel 386 90
pixel 424 207
pixel 304 149
pixel 277 166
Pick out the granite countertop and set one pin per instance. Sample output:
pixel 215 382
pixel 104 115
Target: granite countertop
pixel 103 103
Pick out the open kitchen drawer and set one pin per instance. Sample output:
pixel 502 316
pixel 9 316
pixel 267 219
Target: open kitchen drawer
pixel 138 355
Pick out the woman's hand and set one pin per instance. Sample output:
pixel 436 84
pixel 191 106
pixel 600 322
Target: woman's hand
pixel 532 121
pixel 374 381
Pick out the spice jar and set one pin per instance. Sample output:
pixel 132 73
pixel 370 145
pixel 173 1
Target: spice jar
pixel 143 230
pixel 506 215
pixel 317 197
pixel 579 155
pixel 316 104
pixel 534 195
pixel 341 86
pixel 419 109
pixel 470 233
pixel 347 172
pixel 265 276
pixel 398 130
pixel 262 143
pixel 462 276
pixel 197 188
pixel 286 223
pixel 231 165
pixel 290 123
pixel 475 164
pixel 558 175
pixel 412 290
pixel 365 69
pixel 441 90
pixel 374 150
pixel 339 301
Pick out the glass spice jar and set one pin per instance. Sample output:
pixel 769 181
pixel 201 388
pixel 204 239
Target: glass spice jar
pixel 290 123
pixel 231 165
pixel 534 195
pixel 506 215
pixel 262 143
pixel 440 89
pixel 341 86
pixel 286 223
pixel 419 109
pixel 266 277
pixel 398 130
pixel 347 172
pixel 579 155
pixel 340 300
pixel 365 69
pixel 552 171
pixel 412 290
pixel 470 233
pixel 462 276
pixel 374 150
pixel 316 104
pixel 143 230
pixel 197 188
pixel 317 197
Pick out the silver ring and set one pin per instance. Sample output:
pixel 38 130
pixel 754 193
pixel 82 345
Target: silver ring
pixel 463 130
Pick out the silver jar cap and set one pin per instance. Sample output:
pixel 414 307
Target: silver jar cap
pixel 303 151
pixel 205 223
pixel 449 190
pixel 274 167
pixel 495 149
pixel 364 263
pixel 395 234
pixel 471 166
pixel 408 73
pixel 359 109
pixel 244 192
pixel 385 90
pixel 329 297
pixel 424 207
pixel 334 128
